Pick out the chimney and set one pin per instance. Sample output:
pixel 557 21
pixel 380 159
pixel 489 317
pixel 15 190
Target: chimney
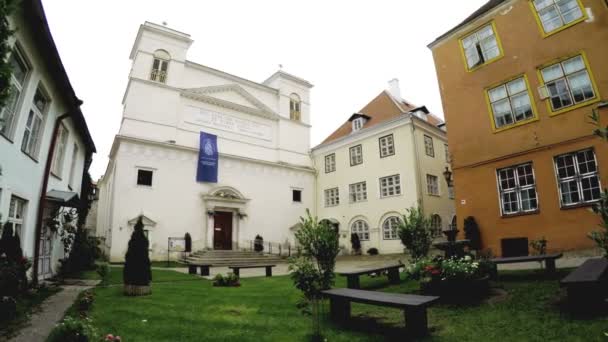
pixel 394 90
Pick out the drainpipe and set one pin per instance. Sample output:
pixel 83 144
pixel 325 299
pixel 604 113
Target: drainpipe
pixel 418 161
pixel 45 183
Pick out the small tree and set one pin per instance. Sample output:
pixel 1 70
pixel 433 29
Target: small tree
pixel 137 274
pixel 355 243
pixel 313 271
pixel 258 243
pixel 416 232
pixel 600 237
pixel 472 233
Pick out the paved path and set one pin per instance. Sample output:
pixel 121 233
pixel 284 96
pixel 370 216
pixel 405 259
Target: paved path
pixel 51 312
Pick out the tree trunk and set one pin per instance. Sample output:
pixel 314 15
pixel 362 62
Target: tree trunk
pixel 137 290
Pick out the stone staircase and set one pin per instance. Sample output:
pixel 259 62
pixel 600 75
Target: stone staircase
pixel 229 258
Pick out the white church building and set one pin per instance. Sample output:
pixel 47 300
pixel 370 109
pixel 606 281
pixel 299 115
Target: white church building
pixel 266 179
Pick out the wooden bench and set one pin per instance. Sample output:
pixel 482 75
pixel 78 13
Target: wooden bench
pixel 236 269
pixel 548 259
pixel 587 286
pixel 413 306
pixel 352 277
pixel 204 268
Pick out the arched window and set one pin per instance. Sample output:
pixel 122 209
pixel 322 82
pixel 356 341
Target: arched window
pixel 390 227
pixel 159 66
pixel 295 107
pixel 361 228
pixel 436 224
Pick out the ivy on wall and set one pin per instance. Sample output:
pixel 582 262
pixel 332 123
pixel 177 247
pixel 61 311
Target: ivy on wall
pixel 7 7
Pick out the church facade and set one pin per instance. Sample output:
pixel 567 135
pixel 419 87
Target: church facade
pixel 265 176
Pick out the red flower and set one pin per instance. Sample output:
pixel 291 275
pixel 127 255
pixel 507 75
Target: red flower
pixel 429 268
pixel 435 272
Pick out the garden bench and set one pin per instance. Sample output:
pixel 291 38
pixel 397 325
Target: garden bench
pixel 193 266
pixel 352 277
pixel 587 285
pixel 236 269
pixel 413 306
pixel 548 259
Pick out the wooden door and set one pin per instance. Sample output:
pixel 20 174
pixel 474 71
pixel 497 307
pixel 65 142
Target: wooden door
pixel 46 251
pixel 222 230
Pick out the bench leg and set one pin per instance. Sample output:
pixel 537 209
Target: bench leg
pixel 415 322
pixel 494 272
pixel 191 269
pixel 352 282
pixel 204 271
pixel 550 265
pixel 236 272
pixel 269 271
pixel 393 276
pixel 339 310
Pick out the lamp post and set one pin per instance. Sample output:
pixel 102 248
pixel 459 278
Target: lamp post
pixel 447 174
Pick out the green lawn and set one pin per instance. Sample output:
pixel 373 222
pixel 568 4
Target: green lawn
pixel 186 308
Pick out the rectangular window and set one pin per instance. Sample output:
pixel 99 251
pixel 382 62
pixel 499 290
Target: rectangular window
pixel 480 47
pixel 356 155
pixel 390 186
pixel 73 166
pixel 144 177
pixel 432 185
pixel 330 163
pixel 568 83
pixel 9 112
pixel 428 146
pixel 387 146
pixel 358 124
pixel 16 212
pixel 357 192
pixel 517 187
pixel 60 147
pixel 159 70
pixel 510 103
pixel 332 197
pixel 578 178
pixel 447 153
pixel 33 127
pixel 296 196
pixel 556 14
pixel 451 192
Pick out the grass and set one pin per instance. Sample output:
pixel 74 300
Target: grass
pixel 187 308
pixel 26 305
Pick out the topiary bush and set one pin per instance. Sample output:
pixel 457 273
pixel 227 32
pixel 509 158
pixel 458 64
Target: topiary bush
pixel 258 243
pixel 137 273
pixel 472 233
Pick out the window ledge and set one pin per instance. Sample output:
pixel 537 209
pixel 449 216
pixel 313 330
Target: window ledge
pixel 55 176
pixel 386 156
pixel 390 196
pixel 578 206
pixel 571 108
pixel 567 26
pixel 527 213
pixel 488 62
pixel 7 138
pixel 32 158
pixel 515 125
pixel 351 165
pixel 394 239
pixel 143 186
pixel 434 195
pixel 353 202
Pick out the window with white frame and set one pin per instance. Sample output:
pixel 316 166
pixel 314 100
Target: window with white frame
pixel 295 105
pixel 358 124
pixel 568 83
pixel 429 149
pixel 361 228
pixel 60 147
pixel 332 197
pixel 447 153
pixel 357 192
pixel 73 165
pixel 390 186
pixel 432 185
pixel 330 163
pixel 554 14
pixel 451 192
pixel 390 228
pixel 480 47
pixel 160 66
pixel 517 187
pixel 16 212
pixel 578 178
pixel 510 103
pixel 8 113
pixel 387 146
pixel 436 224
pixel 356 155
pixel 33 126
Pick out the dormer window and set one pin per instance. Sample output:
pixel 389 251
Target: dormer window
pixel 159 66
pixel 295 107
pixel 358 124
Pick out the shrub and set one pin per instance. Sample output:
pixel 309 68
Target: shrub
pixel 258 243
pixel 355 243
pixel 103 270
pixel 188 242
pixel 372 251
pixel 82 255
pixel 441 269
pixel 137 262
pixel 416 232
pixel 230 280
pixel 13 265
pixel 600 237
pixel 472 233
pixel 85 301
pixel 74 330
pixel 8 308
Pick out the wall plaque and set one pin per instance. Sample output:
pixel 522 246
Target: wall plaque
pixel 228 123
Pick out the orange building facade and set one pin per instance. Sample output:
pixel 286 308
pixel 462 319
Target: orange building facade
pixel 518 81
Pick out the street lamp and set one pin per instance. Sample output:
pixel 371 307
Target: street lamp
pixel 447 174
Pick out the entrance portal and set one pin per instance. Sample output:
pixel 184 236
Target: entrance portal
pixel 222 230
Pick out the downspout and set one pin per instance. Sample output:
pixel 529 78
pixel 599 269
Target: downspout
pixel 418 161
pixel 45 183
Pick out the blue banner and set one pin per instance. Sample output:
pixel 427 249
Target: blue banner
pixel 207 159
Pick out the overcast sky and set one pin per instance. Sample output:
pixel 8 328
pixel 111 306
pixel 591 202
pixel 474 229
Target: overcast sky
pixel 348 49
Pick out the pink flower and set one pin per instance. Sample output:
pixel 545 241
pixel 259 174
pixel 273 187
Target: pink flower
pixel 110 337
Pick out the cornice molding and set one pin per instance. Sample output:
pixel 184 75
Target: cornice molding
pixel 231 77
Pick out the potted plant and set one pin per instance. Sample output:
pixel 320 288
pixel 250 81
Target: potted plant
pixel 355 243
pixel 137 274
pixel 258 243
